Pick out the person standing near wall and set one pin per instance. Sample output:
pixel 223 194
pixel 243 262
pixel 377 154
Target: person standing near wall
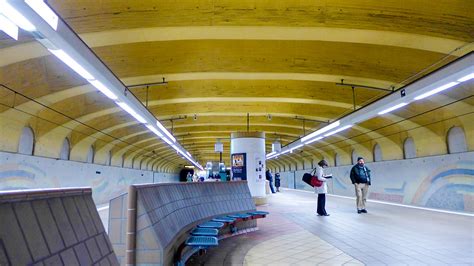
pixel 360 177
pixel 323 189
pixel 277 181
pixel 269 176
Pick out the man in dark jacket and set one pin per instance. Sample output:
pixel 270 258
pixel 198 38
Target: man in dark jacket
pixel 269 177
pixel 360 177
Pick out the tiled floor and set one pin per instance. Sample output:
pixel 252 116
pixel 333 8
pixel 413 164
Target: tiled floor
pixel 388 235
pixel 306 249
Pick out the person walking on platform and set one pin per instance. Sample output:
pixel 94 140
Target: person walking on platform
pixel 323 189
pixel 269 176
pixel 360 177
pixel 277 181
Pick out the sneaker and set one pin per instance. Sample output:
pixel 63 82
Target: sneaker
pixel 359 211
pixel 327 214
pixel 364 210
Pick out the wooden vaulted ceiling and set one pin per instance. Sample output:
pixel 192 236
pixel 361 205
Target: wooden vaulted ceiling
pixel 224 59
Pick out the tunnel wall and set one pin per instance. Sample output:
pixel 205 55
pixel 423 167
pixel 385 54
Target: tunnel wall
pixel 19 171
pixel 440 182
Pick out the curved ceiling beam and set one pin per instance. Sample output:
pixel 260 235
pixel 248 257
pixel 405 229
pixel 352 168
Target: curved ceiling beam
pixel 31 50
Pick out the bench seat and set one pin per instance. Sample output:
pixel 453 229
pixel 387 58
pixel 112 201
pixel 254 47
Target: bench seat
pixel 242 216
pixel 258 213
pixel 224 219
pixel 202 241
pixel 205 232
pixel 215 225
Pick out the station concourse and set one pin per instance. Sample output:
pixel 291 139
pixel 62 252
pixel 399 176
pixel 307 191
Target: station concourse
pixel 152 132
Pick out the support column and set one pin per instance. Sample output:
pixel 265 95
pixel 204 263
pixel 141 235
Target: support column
pixel 252 144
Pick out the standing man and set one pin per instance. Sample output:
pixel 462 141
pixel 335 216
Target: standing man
pixel 269 177
pixel 360 177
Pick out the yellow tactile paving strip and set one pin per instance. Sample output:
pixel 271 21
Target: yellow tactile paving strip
pixel 301 248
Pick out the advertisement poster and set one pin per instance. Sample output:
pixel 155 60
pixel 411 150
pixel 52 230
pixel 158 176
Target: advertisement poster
pixel 239 171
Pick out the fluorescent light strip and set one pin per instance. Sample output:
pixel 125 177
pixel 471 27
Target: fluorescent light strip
pixel 313 140
pixel 165 131
pixel 10 28
pixel 439 89
pixel 72 63
pixel 154 130
pixel 16 17
pixel 400 105
pixel 337 130
pixel 283 152
pixel 101 87
pixel 271 153
pixel 189 154
pixel 129 110
pixel 297 147
pixel 167 140
pixel 466 78
pixel 322 130
pixel 44 11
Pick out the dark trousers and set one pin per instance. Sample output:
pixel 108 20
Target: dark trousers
pixel 271 185
pixel 322 204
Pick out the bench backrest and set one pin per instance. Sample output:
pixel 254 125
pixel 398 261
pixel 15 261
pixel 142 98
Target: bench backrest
pixel 166 212
pixel 52 227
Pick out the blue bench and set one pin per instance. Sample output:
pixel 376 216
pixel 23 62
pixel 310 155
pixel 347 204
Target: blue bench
pixel 226 220
pixel 205 235
pixel 205 232
pixel 258 213
pixel 240 216
pixel 202 242
pixel 198 243
pixel 215 225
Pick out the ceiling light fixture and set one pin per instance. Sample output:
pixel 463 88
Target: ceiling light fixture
pixel 16 17
pixel 313 140
pixel 102 88
pixel 165 131
pixel 132 112
pixel 51 31
pixel 154 130
pixel 437 90
pixel 321 131
pixel 400 105
pixel 10 28
pixel 297 147
pixel 466 78
pixel 42 9
pixel 337 130
pixel 63 56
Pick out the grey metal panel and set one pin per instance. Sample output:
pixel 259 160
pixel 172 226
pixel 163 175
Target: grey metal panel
pixel 31 230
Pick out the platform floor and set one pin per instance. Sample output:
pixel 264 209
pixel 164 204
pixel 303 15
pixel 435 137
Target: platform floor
pixel 388 235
